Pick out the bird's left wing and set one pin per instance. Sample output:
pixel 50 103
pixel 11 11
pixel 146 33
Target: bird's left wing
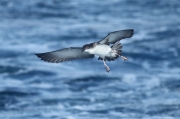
pixel 65 54
pixel 116 36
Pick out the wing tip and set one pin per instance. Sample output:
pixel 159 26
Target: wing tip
pixel 40 55
pixel 37 54
pixel 130 32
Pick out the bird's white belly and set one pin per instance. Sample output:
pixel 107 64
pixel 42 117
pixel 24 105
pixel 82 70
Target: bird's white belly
pixel 102 51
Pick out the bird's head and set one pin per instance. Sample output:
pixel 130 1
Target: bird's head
pixel 87 46
pixel 84 48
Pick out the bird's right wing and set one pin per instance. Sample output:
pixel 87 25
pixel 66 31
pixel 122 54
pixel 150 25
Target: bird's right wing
pixel 116 36
pixel 65 54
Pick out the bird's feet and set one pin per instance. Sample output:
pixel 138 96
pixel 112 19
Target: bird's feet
pixel 106 66
pixel 107 69
pixel 124 58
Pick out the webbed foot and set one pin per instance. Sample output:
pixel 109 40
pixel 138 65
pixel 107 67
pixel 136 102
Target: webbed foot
pixel 124 58
pixel 106 66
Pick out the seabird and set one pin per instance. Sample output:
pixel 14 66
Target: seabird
pixel 102 48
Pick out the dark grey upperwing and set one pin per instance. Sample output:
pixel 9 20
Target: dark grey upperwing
pixel 65 54
pixel 116 36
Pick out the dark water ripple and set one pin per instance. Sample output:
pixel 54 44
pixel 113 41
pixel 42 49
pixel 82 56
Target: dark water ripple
pixel 144 87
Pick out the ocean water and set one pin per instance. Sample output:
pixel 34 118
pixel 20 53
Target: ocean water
pixel 147 86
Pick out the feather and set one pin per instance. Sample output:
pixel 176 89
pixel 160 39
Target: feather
pixel 65 54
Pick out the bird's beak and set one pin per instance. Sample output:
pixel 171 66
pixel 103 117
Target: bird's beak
pixel 82 50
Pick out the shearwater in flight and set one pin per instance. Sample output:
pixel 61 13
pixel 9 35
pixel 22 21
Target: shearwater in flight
pixel 102 48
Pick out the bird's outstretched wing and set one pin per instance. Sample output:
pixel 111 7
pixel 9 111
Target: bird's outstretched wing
pixel 116 36
pixel 65 54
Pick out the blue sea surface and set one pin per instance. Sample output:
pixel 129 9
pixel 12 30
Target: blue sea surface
pixel 147 86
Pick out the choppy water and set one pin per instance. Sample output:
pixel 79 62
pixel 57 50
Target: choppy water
pixel 145 87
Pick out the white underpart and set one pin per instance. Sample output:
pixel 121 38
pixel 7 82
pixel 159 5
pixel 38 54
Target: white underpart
pixel 102 51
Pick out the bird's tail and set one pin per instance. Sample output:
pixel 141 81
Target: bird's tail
pixel 117 47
